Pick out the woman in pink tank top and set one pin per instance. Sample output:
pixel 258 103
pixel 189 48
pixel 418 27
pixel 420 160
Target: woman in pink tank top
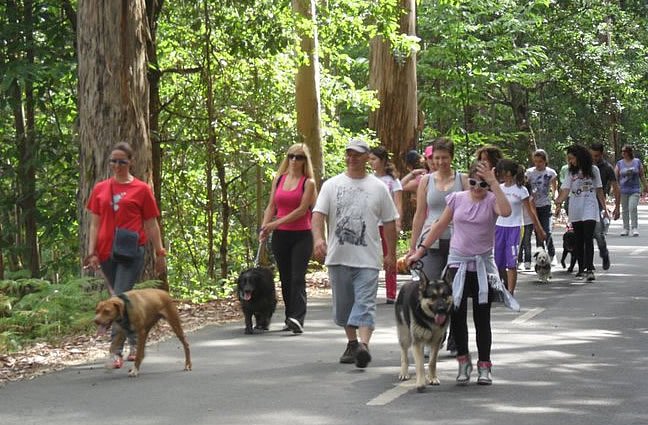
pixel 288 218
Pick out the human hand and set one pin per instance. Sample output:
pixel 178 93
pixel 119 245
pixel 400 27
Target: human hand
pixel 487 174
pixel 415 256
pixel 616 213
pixel 319 250
pixel 389 262
pixel 91 262
pixel 160 265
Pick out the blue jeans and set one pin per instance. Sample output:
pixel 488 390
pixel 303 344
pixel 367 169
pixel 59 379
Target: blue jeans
pixel 122 277
pixel 544 216
pixel 354 295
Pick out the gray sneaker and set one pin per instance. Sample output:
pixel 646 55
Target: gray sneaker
pixel 589 275
pixel 349 355
pixel 484 373
pixel 362 356
pixel 465 368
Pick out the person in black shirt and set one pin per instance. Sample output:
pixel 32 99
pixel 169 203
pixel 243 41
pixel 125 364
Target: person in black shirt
pixel 609 181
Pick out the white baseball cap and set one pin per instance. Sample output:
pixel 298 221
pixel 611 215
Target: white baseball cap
pixel 358 145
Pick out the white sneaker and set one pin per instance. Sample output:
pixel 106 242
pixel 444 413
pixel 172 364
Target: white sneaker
pixel 527 266
pixel 635 232
pixel 625 232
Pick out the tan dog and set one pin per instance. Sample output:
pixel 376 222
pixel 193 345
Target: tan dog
pixel 138 311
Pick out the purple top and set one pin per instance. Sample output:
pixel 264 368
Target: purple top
pixel 629 176
pixel 473 223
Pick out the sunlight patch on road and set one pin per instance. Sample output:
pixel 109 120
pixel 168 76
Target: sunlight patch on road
pixel 391 395
pixel 528 315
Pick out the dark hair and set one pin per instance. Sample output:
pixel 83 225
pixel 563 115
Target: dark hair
pixel 124 147
pixel 444 144
pixel 383 155
pixel 597 146
pixel 493 153
pixel 413 159
pixel 628 149
pixel 505 165
pixel 583 160
pixel 472 171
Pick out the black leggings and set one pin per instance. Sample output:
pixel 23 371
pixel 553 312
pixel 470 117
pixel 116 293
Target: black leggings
pixel 481 318
pixel 584 249
pixel 292 249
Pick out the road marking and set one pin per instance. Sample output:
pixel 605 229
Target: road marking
pixel 528 315
pixel 638 251
pixel 390 395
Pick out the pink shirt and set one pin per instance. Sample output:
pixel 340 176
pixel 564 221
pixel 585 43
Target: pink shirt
pixel 287 201
pixel 473 230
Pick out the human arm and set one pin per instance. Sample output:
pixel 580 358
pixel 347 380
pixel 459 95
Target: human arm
pixel 409 181
pixel 152 230
pixel 319 240
pixel 616 190
pixel 390 233
pixel 269 212
pixel 420 213
pixel 92 259
pixel 398 201
pixel 436 231
pixel 562 196
pixel 642 177
pixel 531 210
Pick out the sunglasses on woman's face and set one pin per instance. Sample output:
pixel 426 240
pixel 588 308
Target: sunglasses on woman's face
pixel 296 157
pixel 481 183
pixel 119 161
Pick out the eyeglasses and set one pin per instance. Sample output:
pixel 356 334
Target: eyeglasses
pixel 481 183
pixel 119 161
pixel 296 157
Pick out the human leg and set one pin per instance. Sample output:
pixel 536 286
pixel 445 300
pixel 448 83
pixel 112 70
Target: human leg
pixel 588 247
pixel 599 235
pixel 633 205
pixel 301 253
pixel 579 246
pixel 282 252
pixel 436 259
pixel 625 213
pixel 524 254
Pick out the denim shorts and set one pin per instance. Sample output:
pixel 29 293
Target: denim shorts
pixel 354 295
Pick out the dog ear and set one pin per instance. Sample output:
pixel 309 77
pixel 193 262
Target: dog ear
pixel 119 307
pixel 536 255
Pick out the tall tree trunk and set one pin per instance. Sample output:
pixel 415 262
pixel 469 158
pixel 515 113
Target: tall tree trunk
pixel 113 94
pixel 519 101
pixel 394 80
pixel 307 90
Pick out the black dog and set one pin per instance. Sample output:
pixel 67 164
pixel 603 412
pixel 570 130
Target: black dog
pixel 256 292
pixel 569 244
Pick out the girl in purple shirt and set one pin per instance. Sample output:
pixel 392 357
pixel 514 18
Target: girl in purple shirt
pixel 470 264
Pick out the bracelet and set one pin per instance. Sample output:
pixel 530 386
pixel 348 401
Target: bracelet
pixel 161 252
pixel 422 246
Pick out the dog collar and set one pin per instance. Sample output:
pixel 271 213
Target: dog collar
pixel 124 322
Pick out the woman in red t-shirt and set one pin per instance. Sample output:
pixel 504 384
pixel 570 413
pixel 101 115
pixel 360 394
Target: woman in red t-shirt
pixel 126 202
pixel 288 218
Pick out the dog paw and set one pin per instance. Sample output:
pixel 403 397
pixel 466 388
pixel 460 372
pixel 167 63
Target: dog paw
pixel 133 373
pixel 187 367
pixel 434 381
pixel 403 377
pixel 249 331
pixel 420 389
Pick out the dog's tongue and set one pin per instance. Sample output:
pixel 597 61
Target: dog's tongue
pixel 440 319
pixel 101 330
pixel 247 296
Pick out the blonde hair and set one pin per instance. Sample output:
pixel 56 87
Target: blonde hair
pixel 297 148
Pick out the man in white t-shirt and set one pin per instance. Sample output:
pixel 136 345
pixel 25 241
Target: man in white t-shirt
pixel 352 204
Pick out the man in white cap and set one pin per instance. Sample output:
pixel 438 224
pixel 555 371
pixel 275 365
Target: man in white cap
pixel 352 204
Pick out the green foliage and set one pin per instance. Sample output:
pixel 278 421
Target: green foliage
pixel 45 311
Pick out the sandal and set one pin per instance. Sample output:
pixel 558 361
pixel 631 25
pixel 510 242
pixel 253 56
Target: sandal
pixel 131 356
pixel 116 362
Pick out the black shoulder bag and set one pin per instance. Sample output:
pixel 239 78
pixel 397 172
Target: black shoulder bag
pixel 125 245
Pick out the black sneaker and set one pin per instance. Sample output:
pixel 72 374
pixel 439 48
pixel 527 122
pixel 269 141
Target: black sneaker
pixel 590 275
pixel 294 325
pixel 362 356
pixel 349 355
pixel 606 261
pixel 580 275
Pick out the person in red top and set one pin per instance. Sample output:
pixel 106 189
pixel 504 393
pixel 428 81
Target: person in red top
pixel 288 218
pixel 126 202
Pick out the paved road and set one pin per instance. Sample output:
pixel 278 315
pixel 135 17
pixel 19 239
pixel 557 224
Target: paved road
pixel 576 354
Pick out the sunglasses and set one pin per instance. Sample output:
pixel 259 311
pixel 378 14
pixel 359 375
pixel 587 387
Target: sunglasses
pixel 481 183
pixel 119 161
pixel 296 157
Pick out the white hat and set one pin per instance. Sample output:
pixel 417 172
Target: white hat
pixel 358 145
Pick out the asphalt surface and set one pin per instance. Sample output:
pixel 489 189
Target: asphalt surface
pixel 575 354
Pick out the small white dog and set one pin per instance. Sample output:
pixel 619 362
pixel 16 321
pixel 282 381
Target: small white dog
pixel 543 265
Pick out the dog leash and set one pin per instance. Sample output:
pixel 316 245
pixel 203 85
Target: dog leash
pixel 258 255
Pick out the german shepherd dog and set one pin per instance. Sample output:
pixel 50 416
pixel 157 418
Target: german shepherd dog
pixel 422 317
pixel 256 292
pixel 569 245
